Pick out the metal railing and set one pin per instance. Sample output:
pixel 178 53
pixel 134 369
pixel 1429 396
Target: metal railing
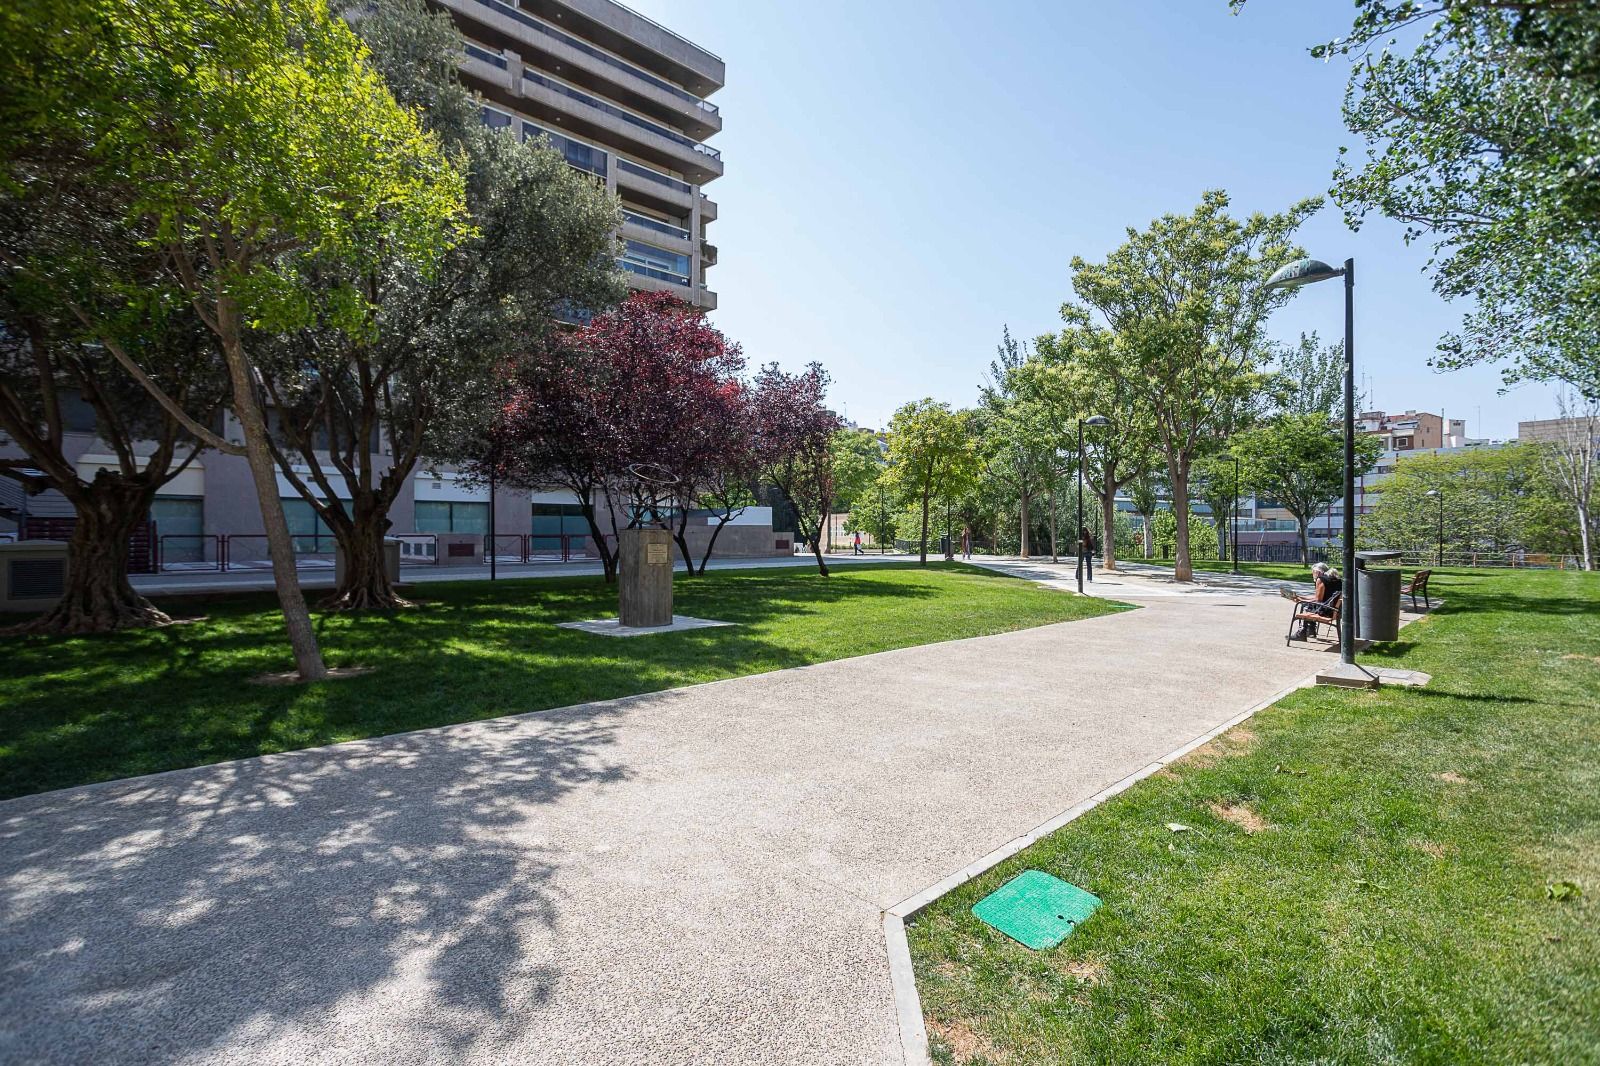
pixel 605 57
pixel 616 112
pixel 639 170
pixel 191 553
pixel 657 225
pixel 492 58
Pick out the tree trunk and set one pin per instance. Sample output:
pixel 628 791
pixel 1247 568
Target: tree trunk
pixel 1305 543
pixel 98 598
pixel 296 619
pixel 1182 567
pixel 816 547
pixel 924 560
pixel 1055 554
pixel 1108 531
pixel 366 585
pixel 1148 536
pixel 716 531
pixel 1022 541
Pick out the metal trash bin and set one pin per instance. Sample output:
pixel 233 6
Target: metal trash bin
pixel 1377 596
pixel 391 561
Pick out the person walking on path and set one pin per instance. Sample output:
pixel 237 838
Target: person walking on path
pixel 1086 552
pixel 858 550
pixel 966 542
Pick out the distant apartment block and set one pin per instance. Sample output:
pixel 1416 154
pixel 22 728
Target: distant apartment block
pixel 1553 431
pixel 624 100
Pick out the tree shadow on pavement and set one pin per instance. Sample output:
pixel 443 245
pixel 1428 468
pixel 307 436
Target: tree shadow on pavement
pixel 168 918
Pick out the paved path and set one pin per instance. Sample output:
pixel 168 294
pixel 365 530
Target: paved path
pixel 693 876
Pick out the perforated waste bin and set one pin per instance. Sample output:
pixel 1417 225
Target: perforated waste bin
pixel 1378 596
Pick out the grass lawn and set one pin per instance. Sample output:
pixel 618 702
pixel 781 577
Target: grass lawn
pixel 1364 879
pixel 95 708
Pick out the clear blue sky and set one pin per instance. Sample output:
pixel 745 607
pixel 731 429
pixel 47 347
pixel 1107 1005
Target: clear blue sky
pixel 904 178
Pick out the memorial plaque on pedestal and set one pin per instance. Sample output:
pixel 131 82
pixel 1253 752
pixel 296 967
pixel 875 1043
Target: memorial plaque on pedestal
pixel 644 577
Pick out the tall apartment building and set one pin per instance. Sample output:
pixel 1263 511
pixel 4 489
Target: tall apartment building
pixel 624 99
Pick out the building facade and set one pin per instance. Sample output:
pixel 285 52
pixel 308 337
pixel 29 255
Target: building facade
pixel 624 100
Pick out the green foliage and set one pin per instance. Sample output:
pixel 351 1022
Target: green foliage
pixel 1298 460
pixel 1482 134
pixel 1494 500
pixel 1186 304
pixel 1202 535
pixel 931 454
pixel 875 513
pixel 1309 378
pixel 858 460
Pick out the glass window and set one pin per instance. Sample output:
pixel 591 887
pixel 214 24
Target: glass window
pixel 450 516
pixel 497 120
pixel 306 528
pixel 652 258
pixel 180 523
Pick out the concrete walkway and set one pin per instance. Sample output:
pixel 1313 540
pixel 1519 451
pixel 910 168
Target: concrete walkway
pixel 693 876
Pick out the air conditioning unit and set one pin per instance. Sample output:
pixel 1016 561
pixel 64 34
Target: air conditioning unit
pixel 33 574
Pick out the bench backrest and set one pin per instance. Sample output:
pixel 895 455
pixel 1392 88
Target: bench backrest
pixel 1419 579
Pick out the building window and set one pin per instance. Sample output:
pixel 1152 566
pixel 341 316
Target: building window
pixel 496 120
pixel 180 523
pixel 1402 444
pixel 655 262
pixel 452 516
pixel 307 531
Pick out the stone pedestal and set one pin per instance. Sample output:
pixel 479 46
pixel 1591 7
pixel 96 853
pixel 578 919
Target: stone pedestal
pixel 644 577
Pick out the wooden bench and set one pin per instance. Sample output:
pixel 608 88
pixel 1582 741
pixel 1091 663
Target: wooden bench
pixel 1418 583
pixel 1315 613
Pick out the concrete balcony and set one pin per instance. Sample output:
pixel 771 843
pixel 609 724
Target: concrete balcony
pixel 548 47
pixel 708 254
pixel 657 191
pixel 645 283
pixel 646 230
pixel 591 120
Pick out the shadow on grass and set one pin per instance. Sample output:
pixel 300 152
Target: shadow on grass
pixel 97 708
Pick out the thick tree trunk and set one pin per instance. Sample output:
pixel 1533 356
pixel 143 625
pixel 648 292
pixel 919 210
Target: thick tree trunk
pixel 98 597
pixel 1108 531
pixel 366 585
pixel 1149 537
pixel 263 471
pixel 1182 567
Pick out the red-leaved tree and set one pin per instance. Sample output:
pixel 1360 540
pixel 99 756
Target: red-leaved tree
pixel 794 435
pixel 637 412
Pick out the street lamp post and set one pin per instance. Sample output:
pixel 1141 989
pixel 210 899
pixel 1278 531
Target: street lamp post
pixel 1308 272
pixel 1092 420
pixel 1235 514
pixel 1439 496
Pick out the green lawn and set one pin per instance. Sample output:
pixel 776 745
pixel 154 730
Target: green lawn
pixel 91 709
pixel 1364 879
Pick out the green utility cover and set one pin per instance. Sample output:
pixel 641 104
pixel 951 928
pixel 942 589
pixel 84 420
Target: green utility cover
pixel 1035 909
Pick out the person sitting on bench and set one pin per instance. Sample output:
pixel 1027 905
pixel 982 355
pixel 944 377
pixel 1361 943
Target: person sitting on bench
pixel 1328 586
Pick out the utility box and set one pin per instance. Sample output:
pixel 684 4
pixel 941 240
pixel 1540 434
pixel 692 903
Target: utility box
pixel 644 578
pixel 460 549
pixel 33 574
pixel 391 562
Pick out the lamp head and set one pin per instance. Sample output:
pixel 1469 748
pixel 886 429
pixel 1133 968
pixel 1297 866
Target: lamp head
pixel 1097 420
pixel 1432 494
pixel 1302 272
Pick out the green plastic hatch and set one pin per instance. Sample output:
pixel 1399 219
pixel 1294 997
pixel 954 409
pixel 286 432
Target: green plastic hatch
pixel 1035 909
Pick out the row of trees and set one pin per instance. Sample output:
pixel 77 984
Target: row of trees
pixel 249 208
pixel 1164 371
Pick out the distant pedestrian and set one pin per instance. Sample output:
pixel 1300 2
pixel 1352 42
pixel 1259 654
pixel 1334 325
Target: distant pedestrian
pixel 966 542
pixel 1086 552
pixel 858 550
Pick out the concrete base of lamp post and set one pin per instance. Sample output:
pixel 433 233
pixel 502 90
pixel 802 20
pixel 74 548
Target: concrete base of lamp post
pixel 1347 675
